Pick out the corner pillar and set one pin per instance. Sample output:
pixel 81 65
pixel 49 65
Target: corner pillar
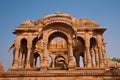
pixel 96 56
pixel 100 56
pixel 15 60
pixel 100 42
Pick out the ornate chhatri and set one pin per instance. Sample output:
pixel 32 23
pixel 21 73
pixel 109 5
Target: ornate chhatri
pixel 59 46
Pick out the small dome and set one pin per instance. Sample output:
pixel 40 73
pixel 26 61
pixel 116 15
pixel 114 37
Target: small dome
pixel 27 22
pixel 89 22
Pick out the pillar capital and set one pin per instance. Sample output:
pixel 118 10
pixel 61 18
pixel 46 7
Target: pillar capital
pixel 17 46
pixel 96 48
pixel 92 51
pixel 45 42
pixel 86 46
pixel 29 45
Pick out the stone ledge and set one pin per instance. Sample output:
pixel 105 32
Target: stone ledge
pixel 53 73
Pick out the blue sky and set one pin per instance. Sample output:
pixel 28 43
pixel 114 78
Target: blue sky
pixel 13 12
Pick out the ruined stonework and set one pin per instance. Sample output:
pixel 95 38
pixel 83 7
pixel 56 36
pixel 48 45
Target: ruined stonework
pixel 60 47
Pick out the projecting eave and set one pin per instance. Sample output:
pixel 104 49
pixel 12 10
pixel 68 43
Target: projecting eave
pixel 100 30
pixel 25 30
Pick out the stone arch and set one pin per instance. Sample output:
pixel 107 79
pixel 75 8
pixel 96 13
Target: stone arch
pixel 37 60
pixel 67 36
pixel 81 41
pixel 79 51
pixel 61 25
pixel 37 45
pixel 57 26
pixel 23 52
pixel 34 41
pixel 57 33
pixel 93 44
pixel 60 62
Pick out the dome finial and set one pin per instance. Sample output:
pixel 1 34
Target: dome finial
pixel 58 12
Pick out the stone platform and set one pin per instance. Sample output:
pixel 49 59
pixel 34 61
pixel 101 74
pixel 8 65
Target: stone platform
pixel 78 74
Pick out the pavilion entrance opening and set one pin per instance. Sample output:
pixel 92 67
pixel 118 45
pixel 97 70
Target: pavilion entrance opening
pixel 58 50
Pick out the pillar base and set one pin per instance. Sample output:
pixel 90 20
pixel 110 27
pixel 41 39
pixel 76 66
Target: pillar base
pixel 102 65
pixel 89 65
pixel 71 65
pixel 15 64
pixel 27 66
pixel 44 65
pixel 97 65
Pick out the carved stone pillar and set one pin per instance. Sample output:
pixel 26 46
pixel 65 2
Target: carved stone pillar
pixel 44 63
pixel 103 52
pixel 53 60
pixel 71 63
pixel 100 56
pixel 88 56
pixel 53 63
pixel 87 46
pixel 92 57
pixel 28 57
pixel 85 59
pixel 34 62
pixel 96 56
pixel 100 42
pixel 15 60
pixel 20 60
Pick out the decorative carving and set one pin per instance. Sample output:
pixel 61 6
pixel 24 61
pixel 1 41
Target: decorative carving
pixel 64 26
pixel 60 42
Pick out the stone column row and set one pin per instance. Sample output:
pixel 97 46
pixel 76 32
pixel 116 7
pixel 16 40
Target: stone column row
pixel 98 50
pixel 93 56
pixel 18 58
